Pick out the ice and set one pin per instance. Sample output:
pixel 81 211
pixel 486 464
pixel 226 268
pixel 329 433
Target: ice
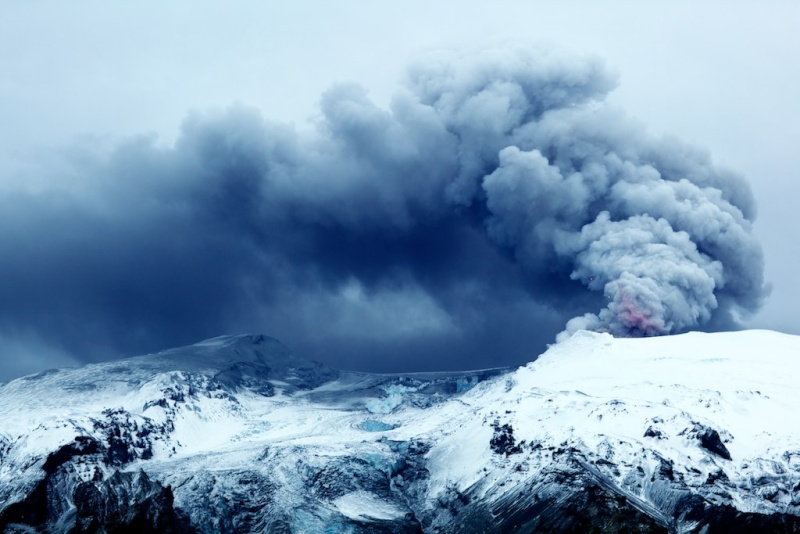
pixel 364 506
pixel 395 394
pixel 626 408
pixel 371 425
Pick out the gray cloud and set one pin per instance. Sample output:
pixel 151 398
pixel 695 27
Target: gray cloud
pixel 496 198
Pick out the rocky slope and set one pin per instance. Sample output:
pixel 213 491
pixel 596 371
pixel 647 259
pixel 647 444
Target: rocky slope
pixel 690 433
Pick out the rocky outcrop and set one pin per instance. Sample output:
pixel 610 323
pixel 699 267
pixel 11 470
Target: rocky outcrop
pixel 127 502
pixel 63 502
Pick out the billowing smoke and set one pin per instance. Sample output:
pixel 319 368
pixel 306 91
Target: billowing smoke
pixel 497 197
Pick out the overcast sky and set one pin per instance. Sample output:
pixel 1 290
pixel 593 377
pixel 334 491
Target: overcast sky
pixel 116 240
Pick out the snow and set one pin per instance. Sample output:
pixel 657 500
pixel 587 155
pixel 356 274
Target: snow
pixel 600 395
pixel 364 506
pixel 394 395
pixel 593 393
pixel 744 382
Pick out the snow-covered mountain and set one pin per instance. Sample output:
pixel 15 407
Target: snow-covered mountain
pixel 689 433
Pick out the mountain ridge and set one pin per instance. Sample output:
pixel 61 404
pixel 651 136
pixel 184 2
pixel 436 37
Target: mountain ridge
pixel 236 434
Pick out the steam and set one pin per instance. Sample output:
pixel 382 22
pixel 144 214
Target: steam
pixel 495 198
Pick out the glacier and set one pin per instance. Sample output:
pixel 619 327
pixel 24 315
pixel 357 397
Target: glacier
pixel 681 434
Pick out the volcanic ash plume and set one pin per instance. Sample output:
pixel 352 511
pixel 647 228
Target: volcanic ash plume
pixel 496 193
pixel 577 188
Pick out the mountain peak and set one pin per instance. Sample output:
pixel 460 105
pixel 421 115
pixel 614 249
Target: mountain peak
pixel 237 339
pixel 685 433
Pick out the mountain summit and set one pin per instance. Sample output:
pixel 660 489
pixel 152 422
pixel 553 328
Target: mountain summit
pixel 687 433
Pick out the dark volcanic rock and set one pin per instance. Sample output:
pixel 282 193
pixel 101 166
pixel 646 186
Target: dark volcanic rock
pixel 710 519
pixel 503 440
pixel 81 446
pixel 127 502
pixel 710 440
pixel 592 510
pixel 30 511
pixel 62 502
pixel 564 501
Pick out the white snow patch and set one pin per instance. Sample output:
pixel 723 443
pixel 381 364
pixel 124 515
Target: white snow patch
pixel 365 506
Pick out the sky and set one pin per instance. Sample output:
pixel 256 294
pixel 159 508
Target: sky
pixel 386 186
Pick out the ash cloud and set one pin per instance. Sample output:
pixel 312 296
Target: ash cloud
pixel 495 201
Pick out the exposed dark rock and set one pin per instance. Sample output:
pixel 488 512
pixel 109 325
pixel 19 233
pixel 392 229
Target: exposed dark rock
pixel 718 475
pixel 81 446
pixel 503 440
pixel 710 440
pixel 232 502
pixel 724 519
pixel 593 510
pixel 127 502
pixel 653 433
pixel 128 437
pixel 665 469
pixel 30 511
pixel 345 476
pixel 563 500
pixel 62 502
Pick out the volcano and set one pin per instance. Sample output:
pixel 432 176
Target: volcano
pixel 686 433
